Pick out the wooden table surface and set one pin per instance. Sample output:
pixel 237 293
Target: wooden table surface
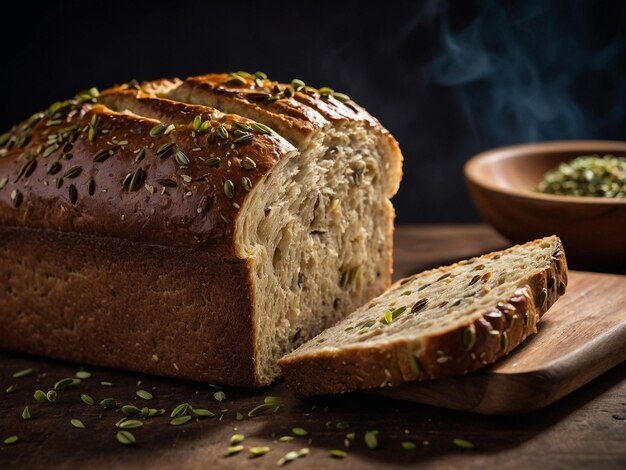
pixel 584 430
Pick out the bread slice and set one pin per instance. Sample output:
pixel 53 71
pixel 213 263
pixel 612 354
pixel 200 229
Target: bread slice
pixel 447 321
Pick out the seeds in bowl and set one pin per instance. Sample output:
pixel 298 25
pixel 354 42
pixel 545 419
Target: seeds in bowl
pixel 590 176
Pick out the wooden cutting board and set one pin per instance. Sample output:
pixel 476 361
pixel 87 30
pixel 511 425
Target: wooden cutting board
pixel 580 337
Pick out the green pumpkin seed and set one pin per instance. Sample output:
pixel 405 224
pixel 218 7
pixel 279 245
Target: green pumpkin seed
pixel 86 399
pixel 232 450
pixel 26 413
pixel 259 451
pixel 77 423
pixel 157 130
pixel 181 410
pixel 41 396
pixel 125 437
pixel 146 395
pixel 11 440
pixel 469 338
pixel 22 373
pixel 371 439
pixel 203 412
pixel 131 424
pixel 67 382
pixel 338 454
pixel 229 191
pixel 299 432
pixel 108 403
pixel 408 445
pixel 463 444
pixel 180 420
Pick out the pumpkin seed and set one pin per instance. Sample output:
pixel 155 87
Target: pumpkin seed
pixel 181 158
pixel 237 438
pixel 157 130
pixel 125 437
pixel 258 451
pixel 338 454
pixel 229 189
pixel 131 424
pixel 180 420
pixel 108 403
pixel 26 413
pixel 11 440
pixel 51 396
pixel 463 444
pixel 77 423
pixel 146 395
pixel 67 382
pixel 408 445
pixel 181 410
pixel 299 432
pixel 41 396
pixel 469 338
pixel 22 373
pixel 86 399
pixel 371 439
pixel 130 410
pixel 203 412
pixel 232 450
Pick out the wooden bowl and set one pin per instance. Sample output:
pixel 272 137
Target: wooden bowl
pixel 593 229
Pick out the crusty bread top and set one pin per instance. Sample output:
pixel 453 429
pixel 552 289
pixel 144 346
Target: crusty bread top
pixel 109 164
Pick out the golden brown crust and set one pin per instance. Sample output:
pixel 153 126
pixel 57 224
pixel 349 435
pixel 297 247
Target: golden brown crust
pixel 134 306
pixel 458 351
pixel 172 203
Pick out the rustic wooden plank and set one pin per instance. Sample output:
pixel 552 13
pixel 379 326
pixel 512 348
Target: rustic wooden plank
pixel 577 431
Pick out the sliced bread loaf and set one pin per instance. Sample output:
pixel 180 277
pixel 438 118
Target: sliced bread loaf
pixel 442 322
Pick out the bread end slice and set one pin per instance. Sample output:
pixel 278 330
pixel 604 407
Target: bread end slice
pixel 443 322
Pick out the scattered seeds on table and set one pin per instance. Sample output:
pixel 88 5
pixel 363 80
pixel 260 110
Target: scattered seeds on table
pixel 258 410
pixel 41 396
pixel 259 451
pixel 66 382
pixel 289 456
pixel 237 438
pixel 11 440
pixel 371 439
pixel 125 437
pixel 86 399
pixel 338 454
pixel 77 423
pixel 108 403
pixel 232 450
pixel 131 424
pixel 146 395
pixel 463 444
pixel 180 420
pixel 130 410
pixel 22 373
pixel 181 410
pixel 203 412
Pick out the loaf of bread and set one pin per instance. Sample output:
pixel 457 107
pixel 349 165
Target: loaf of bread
pixel 447 321
pixel 200 228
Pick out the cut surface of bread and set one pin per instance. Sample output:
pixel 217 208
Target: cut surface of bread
pixel 442 322
pixel 279 192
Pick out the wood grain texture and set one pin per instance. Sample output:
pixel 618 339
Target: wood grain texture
pixel 580 337
pixel 578 431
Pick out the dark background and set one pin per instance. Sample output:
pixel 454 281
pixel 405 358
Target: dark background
pixel 448 79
